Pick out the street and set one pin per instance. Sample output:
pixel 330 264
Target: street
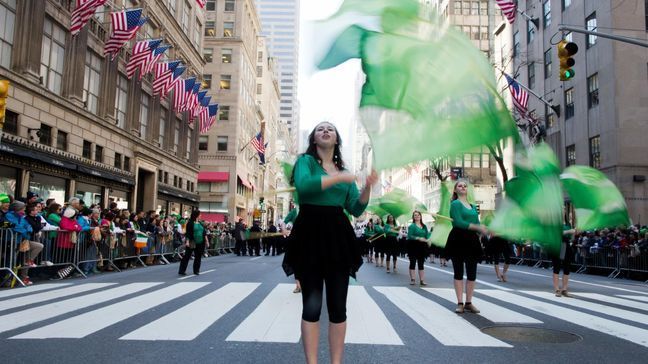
pixel 242 310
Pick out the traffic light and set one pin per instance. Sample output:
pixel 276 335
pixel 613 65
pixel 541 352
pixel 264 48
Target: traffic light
pixel 4 92
pixel 566 51
pixel 261 199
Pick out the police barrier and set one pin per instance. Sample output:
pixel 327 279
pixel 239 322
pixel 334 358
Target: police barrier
pixel 7 258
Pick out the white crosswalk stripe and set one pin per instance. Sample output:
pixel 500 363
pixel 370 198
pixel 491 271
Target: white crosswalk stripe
pixel 50 295
pixel 366 323
pixel 188 322
pixel 638 298
pixel 613 300
pixel 31 289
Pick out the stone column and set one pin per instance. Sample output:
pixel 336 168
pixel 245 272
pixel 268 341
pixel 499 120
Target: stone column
pixel 108 89
pixel 74 67
pixel 30 16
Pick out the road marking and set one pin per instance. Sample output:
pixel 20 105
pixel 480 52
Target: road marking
pixel 90 322
pixel 31 289
pixel 446 326
pixel 581 282
pixel 596 307
pixel 614 300
pixel 606 326
pixel 491 311
pixel 638 298
pixel 366 322
pixel 40 313
pixel 255 258
pixel 452 274
pixel 50 295
pixel 193 275
pixel 188 322
pixel 276 319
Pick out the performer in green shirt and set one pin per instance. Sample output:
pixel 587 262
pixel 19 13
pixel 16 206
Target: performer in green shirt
pixel 325 254
pixel 391 244
pixel 417 235
pixel 463 246
pixel 196 242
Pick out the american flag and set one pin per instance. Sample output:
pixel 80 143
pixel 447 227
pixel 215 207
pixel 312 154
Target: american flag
pixel 520 95
pixel 508 9
pixel 192 98
pixel 125 24
pixel 257 143
pixel 208 121
pixel 175 78
pixel 201 3
pixel 153 58
pixel 203 112
pixel 181 92
pixel 195 109
pixel 83 11
pixel 163 75
pixel 141 54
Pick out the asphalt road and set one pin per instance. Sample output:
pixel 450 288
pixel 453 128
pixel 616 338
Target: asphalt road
pixel 242 310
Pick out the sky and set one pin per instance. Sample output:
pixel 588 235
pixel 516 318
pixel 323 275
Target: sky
pixel 324 95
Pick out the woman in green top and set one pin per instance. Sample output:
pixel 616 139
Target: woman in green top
pixel 379 242
pixel 369 245
pixel 391 244
pixel 196 242
pixel 417 235
pixel 325 253
pixel 463 246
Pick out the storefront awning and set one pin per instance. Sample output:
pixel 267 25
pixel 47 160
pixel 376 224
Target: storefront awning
pixel 212 217
pixel 213 176
pixel 35 154
pixel 106 175
pixel 245 182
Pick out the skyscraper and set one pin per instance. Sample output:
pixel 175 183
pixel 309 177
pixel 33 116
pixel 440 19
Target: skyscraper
pixel 280 26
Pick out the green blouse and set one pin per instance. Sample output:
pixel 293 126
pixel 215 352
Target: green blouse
pixel 413 232
pixel 462 216
pixel 308 182
pixel 391 231
pixel 198 233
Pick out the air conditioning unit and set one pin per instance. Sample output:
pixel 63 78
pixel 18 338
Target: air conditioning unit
pixel 211 32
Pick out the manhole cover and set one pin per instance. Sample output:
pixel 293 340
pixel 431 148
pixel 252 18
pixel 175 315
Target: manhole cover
pixel 530 334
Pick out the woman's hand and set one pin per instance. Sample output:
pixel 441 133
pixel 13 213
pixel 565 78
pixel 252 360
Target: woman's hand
pixel 372 178
pixel 346 177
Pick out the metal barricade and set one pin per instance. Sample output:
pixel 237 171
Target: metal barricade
pixel 633 262
pixel 124 249
pixel 8 254
pixel 93 254
pixel 60 248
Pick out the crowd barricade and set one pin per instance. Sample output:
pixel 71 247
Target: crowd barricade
pixel 125 249
pixel 169 250
pixel 633 262
pixel 61 248
pixel 94 253
pixel 8 256
pixel 154 249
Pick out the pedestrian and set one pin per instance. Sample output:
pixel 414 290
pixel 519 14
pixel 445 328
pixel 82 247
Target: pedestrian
pixel 196 242
pixel 379 242
pixel 563 261
pixel 325 254
pixel 417 235
pixel 463 246
pixel 391 244
pixel 271 246
pixel 369 232
pixel 239 236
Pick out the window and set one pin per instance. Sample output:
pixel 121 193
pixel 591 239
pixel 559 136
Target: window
pixel 52 55
pixel 485 162
pixel 10 123
pixel 571 155
pixel 474 32
pixel 186 11
pixel 475 160
pixel 474 8
pixel 175 181
pixel 547 63
pixel 210 29
pixel 484 33
pixel 467 160
pixel 203 142
pixel 87 149
pixel 226 55
pixel 590 23
pixel 223 114
pixel 176 135
pixel 144 115
pixel 207 80
pixel 8 20
pixel 91 81
pixel 163 127
pixel 259 88
pixel 118 161
pixel 188 149
pixel 595 151
pixel 160 176
pixel 45 135
pixel 483 7
pixel 61 140
pixel 229 5
pixel 550 116
pixel 569 103
pixel 121 101
pixel 592 91
pixel 127 164
pixel 228 29
pixel 171 4
pixel 259 71
pixel 466 7
pixel 225 82
pixel 197 31
pixel 221 144
pixel 516 44
pixel 208 55
pixel 211 5
pixel 565 4
pixel 166 178
pixel 546 12
pixel 457 7
pixel 259 57
pixel 530 31
pixel 99 153
pixel 531 73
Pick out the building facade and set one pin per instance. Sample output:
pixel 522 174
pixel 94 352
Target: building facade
pixel 603 108
pixel 280 26
pixel 77 126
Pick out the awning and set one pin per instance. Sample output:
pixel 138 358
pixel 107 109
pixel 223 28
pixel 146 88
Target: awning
pixel 245 182
pixel 213 176
pixel 106 175
pixel 212 217
pixel 35 154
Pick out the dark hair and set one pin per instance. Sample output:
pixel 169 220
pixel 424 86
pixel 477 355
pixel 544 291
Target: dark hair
pixel 30 207
pixel 454 189
pixel 312 151
pixel 421 215
pixel 393 219
pixel 52 209
pixel 190 224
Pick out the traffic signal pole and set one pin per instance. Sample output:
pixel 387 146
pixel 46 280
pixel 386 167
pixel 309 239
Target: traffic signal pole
pixel 619 38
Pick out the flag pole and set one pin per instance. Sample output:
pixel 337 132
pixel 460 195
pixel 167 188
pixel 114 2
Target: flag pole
pixel 535 21
pixel 555 108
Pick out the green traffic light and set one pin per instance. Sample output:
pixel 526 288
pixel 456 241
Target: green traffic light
pixel 569 73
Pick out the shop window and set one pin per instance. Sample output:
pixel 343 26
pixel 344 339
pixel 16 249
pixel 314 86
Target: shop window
pixel 8 180
pixel 48 187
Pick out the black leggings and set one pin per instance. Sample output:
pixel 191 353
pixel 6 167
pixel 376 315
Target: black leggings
pixel 565 264
pixel 337 287
pixel 458 267
pixel 417 253
pixel 198 253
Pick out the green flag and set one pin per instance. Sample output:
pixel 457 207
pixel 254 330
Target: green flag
pixel 374 208
pixel 400 204
pixel 532 209
pixel 424 96
pixel 377 7
pixel 597 201
pixel 443 226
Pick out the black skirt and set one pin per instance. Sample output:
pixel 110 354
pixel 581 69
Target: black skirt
pixel 463 243
pixel 322 239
